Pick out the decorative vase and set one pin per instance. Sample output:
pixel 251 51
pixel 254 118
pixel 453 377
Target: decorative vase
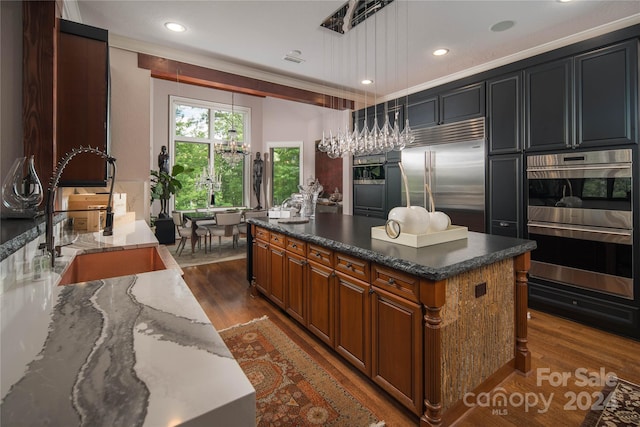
pixel 22 190
pixel 409 219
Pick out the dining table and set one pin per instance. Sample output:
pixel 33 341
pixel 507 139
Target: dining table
pixel 205 215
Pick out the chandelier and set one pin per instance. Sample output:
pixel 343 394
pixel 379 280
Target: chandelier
pixel 365 141
pixel 230 149
pixel 379 138
pixel 209 181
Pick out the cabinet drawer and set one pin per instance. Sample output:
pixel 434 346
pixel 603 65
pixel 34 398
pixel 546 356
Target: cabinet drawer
pixel 354 267
pixel 401 284
pixel 296 246
pixel 261 234
pixel 320 255
pixel 277 239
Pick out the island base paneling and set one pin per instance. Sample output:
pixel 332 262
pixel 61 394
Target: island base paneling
pixel 425 342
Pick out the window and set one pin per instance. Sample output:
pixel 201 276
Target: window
pixel 286 171
pixel 196 127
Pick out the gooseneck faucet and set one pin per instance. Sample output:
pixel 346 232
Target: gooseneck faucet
pixel 51 196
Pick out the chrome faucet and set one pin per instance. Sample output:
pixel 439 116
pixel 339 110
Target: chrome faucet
pixel 51 196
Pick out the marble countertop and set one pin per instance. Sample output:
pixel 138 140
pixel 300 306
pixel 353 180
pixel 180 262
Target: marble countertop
pixel 135 350
pixel 352 235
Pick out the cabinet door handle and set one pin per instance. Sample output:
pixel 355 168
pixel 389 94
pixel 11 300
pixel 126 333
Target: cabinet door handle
pixel 294 246
pixel 504 224
pixel 349 265
pixel 305 262
pixel 318 254
pixel 391 281
pixel 333 274
pixel 371 291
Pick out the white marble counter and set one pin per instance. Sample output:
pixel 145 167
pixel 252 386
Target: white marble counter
pixel 135 350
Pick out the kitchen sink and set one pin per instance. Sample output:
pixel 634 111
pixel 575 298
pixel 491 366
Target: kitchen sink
pixel 103 265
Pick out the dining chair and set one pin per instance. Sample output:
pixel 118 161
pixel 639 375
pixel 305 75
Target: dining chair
pixel 183 231
pixel 226 226
pixel 242 228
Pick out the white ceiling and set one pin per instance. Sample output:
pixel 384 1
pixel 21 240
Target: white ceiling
pixel 251 37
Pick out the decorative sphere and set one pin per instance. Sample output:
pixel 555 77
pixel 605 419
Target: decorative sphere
pixel 439 221
pixel 412 220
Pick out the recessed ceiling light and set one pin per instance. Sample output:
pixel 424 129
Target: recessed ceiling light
pixel 366 81
pixel 440 52
pixel 564 1
pixel 502 26
pixel 174 26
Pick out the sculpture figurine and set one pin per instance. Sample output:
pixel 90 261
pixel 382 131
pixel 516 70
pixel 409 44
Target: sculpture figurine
pixel 258 166
pixel 163 166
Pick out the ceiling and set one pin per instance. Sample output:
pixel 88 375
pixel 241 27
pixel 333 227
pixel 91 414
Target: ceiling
pixel 251 37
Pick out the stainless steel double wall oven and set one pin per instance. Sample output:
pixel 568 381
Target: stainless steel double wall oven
pixel 580 212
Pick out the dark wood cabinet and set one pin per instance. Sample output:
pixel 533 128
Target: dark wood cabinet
pixel 548 105
pixel 320 315
pixel 260 265
pixel 82 101
pixel 397 324
pixel 276 276
pixel 296 268
pixel 353 321
pixel 505 195
pixel 606 108
pixel 504 114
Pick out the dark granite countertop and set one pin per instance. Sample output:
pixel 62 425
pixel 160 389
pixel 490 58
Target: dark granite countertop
pixel 352 235
pixel 16 233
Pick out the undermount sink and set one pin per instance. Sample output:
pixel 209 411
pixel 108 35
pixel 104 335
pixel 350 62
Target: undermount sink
pixel 103 265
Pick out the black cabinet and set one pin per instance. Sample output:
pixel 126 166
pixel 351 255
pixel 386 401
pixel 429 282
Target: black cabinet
pixel 504 114
pixel 505 195
pixel 424 113
pixel 548 105
pixel 462 104
pixel 589 100
pixel 606 109
pixel 369 200
pixel 451 106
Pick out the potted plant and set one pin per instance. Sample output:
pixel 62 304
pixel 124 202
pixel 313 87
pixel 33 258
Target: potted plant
pixel 163 185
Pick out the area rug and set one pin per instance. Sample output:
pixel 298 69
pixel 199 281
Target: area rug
pixel 291 388
pixel 621 407
pixel 217 254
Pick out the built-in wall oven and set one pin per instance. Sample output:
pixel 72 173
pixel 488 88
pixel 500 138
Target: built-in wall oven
pixel 580 213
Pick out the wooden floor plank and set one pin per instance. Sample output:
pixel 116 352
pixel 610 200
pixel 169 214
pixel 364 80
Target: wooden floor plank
pixel 557 345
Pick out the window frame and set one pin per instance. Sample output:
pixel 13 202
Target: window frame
pixel 284 144
pixel 212 106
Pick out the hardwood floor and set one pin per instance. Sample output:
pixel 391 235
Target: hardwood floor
pixel 558 347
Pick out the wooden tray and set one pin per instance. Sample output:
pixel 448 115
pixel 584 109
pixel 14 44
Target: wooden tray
pixel 454 232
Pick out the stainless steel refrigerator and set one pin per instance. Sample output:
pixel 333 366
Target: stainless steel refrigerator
pixel 449 158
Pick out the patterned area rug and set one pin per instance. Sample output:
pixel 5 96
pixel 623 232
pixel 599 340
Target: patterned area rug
pixel 217 254
pixel 621 407
pixel 291 389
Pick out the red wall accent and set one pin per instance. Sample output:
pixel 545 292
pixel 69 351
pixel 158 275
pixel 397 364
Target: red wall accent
pixel 329 173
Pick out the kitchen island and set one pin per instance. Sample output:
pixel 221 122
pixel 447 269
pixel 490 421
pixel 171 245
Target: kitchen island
pixel 429 325
pixel 135 350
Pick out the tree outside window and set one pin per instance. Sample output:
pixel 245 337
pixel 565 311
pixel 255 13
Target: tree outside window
pixel 194 138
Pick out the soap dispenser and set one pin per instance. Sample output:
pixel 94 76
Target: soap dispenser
pixel 41 262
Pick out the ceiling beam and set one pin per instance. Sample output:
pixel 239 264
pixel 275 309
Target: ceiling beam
pixel 176 71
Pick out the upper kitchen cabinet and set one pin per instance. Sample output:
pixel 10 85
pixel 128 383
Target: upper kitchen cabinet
pixel 82 102
pixel 447 107
pixel 548 105
pixel 606 109
pixel 504 105
pixel 584 101
pixel 462 104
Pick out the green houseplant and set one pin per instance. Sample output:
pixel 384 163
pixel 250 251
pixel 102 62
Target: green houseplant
pixel 163 185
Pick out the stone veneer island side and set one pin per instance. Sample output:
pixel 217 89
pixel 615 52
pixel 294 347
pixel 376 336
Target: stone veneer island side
pixel 426 324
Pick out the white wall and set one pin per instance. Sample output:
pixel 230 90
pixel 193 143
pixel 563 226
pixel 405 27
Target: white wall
pixel 287 121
